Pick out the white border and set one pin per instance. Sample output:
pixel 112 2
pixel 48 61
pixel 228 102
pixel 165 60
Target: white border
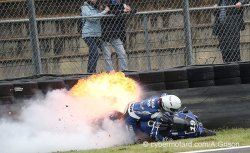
pixel 219 149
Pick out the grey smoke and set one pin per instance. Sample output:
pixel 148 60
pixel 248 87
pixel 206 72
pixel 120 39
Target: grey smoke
pixel 59 122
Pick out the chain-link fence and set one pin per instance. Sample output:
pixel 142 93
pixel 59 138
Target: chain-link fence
pixel 46 36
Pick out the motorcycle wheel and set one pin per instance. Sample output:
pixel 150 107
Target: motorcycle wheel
pixel 207 132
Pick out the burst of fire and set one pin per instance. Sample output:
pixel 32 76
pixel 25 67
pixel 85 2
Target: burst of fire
pixel 113 88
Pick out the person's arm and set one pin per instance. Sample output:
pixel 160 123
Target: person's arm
pixel 87 11
pixel 120 8
pixel 127 8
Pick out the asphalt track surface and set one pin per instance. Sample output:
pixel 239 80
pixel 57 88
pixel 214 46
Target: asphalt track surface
pixel 244 149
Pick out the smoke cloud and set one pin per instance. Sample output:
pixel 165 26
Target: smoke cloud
pixel 60 122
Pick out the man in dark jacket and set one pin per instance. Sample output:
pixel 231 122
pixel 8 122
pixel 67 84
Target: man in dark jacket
pixel 113 33
pixel 228 24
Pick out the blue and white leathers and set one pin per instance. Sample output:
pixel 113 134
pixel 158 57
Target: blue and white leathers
pixel 145 111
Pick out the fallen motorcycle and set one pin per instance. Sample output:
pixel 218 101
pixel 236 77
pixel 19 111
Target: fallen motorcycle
pixel 185 125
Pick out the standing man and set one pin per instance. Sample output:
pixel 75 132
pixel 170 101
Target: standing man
pixel 113 32
pixel 228 24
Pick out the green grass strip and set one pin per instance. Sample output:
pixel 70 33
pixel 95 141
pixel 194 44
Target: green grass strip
pixel 225 138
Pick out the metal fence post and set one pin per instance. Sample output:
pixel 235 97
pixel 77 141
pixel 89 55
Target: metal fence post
pixel 36 58
pixel 187 29
pixel 145 27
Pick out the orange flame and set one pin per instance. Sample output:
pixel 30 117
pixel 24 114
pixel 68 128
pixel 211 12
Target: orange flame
pixel 113 88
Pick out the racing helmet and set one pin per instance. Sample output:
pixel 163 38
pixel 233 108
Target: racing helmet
pixel 170 103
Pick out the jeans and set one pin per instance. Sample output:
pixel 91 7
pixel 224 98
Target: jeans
pixel 93 43
pixel 229 39
pixel 119 49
